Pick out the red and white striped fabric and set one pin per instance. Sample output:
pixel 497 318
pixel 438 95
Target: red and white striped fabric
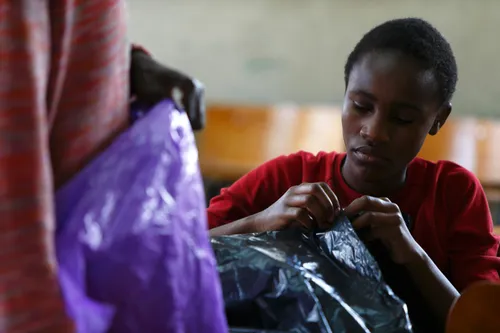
pixel 63 96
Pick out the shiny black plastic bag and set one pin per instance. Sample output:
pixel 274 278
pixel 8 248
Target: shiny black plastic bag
pixel 288 281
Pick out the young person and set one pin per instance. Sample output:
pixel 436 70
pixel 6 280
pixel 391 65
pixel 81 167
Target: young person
pixel 400 79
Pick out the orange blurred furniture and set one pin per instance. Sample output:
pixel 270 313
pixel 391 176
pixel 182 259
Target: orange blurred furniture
pixel 239 138
pixel 476 310
pixel 472 143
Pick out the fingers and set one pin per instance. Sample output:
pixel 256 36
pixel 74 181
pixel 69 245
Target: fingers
pixel 318 199
pixel 375 220
pixel 378 226
pixel 153 82
pixel 300 216
pixel 333 198
pixel 370 204
pixel 193 99
pixel 311 204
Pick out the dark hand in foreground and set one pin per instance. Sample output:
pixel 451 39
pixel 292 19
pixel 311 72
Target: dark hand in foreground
pixel 309 205
pixel 381 219
pixel 152 82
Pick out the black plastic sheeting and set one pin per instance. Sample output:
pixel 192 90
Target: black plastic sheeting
pixel 289 281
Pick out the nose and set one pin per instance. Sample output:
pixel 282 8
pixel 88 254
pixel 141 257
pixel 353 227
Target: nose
pixel 375 129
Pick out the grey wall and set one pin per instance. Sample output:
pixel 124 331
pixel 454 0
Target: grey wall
pixel 275 51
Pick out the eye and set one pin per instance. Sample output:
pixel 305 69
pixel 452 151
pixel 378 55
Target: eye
pixel 403 121
pixel 361 106
pixel 403 118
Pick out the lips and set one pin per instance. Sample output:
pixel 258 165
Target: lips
pixel 368 155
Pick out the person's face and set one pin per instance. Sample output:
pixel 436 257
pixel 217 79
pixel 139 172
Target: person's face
pixel 390 105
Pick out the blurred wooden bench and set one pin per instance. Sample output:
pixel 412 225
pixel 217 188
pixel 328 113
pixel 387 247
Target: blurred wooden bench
pixel 472 143
pixel 239 138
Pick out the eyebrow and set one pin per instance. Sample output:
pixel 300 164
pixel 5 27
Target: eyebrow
pixel 404 105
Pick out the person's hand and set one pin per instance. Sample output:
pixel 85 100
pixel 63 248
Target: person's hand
pixel 309 205
pixel 151 82
pixel 380 219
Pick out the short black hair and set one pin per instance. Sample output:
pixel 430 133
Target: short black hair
pixel 414 37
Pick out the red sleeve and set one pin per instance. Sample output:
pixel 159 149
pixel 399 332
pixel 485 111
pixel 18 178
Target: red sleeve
pixel 255 191
pixel 472 244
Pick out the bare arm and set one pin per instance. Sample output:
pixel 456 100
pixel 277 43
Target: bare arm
pixel 245 225
pixel 436 289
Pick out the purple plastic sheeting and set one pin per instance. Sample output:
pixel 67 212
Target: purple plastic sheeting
pixel 132 240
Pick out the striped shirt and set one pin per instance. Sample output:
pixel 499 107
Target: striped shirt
pixel 63 96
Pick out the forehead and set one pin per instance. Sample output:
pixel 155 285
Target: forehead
pixel 391 75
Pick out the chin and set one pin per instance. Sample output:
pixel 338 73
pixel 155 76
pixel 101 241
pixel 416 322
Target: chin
pixel 370 173
pixel 370 176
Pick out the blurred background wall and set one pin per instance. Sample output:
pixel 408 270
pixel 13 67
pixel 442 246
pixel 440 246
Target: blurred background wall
pixel 273 70
pixel 274 51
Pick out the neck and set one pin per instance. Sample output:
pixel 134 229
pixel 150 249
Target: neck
pixel 385 186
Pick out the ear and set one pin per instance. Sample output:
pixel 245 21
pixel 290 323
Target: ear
pixel 441 118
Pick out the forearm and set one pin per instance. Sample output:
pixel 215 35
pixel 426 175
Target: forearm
pixel 242 226
pixel 436 289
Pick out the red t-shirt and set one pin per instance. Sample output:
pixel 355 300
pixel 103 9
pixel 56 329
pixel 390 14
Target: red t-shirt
pixel 451 218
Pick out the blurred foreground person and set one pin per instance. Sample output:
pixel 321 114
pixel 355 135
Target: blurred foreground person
pixel 64 97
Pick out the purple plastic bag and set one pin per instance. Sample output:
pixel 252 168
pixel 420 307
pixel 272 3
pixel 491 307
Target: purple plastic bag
pixel 132 240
